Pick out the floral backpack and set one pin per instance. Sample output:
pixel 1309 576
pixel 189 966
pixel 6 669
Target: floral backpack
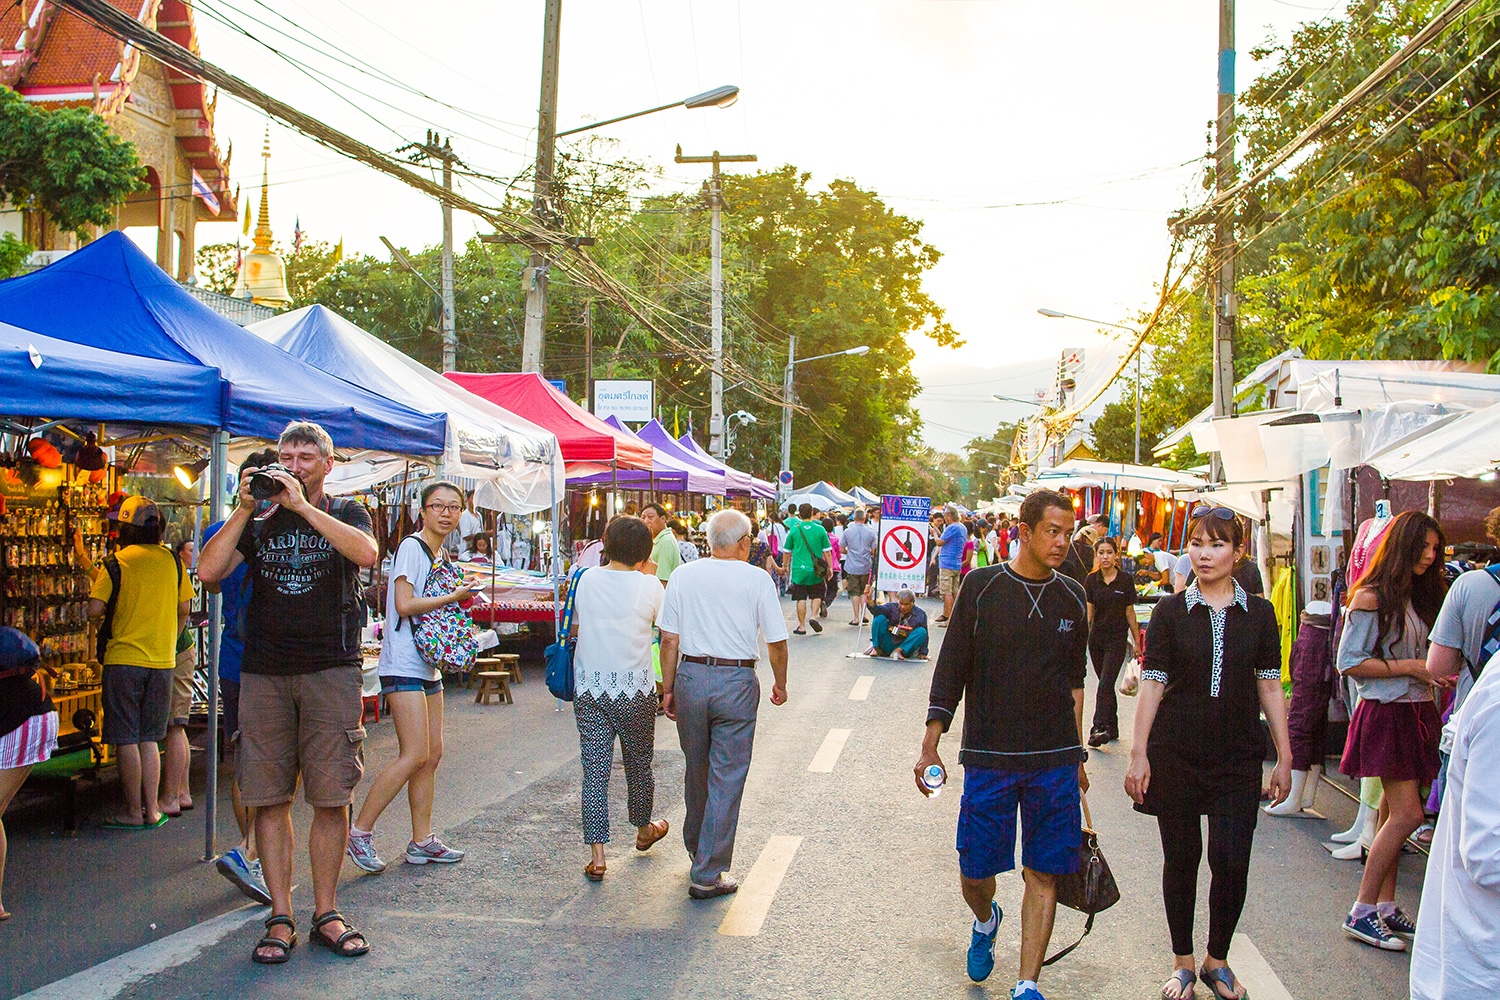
pixel 444 637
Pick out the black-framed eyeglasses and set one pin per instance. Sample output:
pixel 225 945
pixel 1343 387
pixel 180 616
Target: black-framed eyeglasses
pixel 445 508
pixel 1222 513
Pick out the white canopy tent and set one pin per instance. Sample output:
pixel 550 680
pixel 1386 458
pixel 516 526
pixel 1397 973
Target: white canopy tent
pixel 1119 476
pixel 1461 446
pixel 517 465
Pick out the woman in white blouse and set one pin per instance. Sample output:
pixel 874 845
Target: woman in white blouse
pixel 614 608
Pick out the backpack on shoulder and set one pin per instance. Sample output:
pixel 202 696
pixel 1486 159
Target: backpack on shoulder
pixel 106 629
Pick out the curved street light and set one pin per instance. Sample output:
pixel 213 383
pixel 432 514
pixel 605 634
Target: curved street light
pixel 1058 314
pixel 792 361
pixel 719 97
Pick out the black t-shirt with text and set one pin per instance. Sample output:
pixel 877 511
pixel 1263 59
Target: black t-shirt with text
pixel 303 614
pixel 1110 600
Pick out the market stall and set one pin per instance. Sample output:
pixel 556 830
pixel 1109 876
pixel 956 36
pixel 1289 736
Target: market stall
pixel 758 489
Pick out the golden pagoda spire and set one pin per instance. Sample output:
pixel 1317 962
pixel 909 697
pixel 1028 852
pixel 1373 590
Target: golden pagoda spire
pixel 263 226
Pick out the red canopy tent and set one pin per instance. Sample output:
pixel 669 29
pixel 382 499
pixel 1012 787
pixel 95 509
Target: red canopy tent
pixel 584 438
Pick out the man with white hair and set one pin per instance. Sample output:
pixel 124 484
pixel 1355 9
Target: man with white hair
pixel 712 611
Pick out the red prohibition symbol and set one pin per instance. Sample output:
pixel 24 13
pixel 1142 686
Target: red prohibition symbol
pixel 904 546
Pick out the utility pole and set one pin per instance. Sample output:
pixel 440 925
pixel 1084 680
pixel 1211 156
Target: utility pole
pixel 786 408
pixel 1138 350
pixel 1222 282
pixel 716 309
pixel 432 149
pixel 535 276
pixel 588 353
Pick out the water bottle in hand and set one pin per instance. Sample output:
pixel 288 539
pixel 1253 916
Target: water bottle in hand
pixel 933 777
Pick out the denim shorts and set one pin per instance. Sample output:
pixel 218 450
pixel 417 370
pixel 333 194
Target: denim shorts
pixel 1051 825
pixel 390 684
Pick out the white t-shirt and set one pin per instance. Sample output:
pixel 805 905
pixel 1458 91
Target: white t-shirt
pixel 1457 950
pixel 614 611
pixel 716 606
pixel 398 652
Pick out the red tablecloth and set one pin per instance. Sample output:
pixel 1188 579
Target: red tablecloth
pixel 512 611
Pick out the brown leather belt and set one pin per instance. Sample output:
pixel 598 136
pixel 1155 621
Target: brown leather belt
pixel 719 661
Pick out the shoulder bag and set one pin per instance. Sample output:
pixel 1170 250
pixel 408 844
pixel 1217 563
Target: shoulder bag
pixel 559 655
pixel 819 562
pixel 1092 888
pixel 445 636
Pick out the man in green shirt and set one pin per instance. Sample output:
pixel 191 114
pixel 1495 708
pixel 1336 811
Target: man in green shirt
pixel 807 547
pixel 664 552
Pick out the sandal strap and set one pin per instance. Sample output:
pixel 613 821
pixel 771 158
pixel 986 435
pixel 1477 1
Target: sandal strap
pixel 280 920
pixel 349 934
pixel 320 919
pixel 268 942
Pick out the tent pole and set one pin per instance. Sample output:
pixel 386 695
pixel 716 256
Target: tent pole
pixel 556 597
pixel 614 489
pixel 217 467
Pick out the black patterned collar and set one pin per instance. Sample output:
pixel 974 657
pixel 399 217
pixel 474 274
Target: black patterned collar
pixel 1195 597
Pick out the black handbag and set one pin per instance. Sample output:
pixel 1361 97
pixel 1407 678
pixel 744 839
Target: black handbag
pixel 1092 888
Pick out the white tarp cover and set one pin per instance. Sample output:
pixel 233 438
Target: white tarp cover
pixel 508 456
pixel 1121 476
pixel 1369 384
pixel 1464 447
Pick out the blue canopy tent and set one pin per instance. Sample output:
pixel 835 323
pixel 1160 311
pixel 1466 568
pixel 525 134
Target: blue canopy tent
pixel 110 295
pixel 43 377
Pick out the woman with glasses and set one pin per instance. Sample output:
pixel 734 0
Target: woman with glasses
pixel 1393 734
pixel 1213 664
pixel 413 690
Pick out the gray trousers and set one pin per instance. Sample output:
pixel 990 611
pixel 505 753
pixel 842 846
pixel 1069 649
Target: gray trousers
pixel 715 709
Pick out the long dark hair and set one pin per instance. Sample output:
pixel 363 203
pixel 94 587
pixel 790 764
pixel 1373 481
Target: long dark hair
pixel 1393 580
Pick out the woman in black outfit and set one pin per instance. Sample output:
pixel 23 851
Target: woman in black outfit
pixel 1213 664
pixel 1112 632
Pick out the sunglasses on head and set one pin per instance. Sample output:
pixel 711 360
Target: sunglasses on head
pixel 1222 513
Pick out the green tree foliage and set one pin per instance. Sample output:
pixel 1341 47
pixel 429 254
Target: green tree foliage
pixel 1386 236
pixel 13 254
pixel 217 265
pixel 835 267
pixel 65 162
pixel 985 460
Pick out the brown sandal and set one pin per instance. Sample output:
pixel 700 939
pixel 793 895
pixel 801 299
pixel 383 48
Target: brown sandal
pixel 593 872
pixel 658 829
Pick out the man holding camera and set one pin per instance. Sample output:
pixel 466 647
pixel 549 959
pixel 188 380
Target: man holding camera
pixel 300 680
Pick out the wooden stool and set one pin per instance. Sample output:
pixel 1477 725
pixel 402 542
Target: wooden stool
pixel 511 664
pixel 492 683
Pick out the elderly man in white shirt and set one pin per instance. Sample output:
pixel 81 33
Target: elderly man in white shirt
pixel 1457 947
pixel 710 617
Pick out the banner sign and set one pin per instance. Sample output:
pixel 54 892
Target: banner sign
pixel 631 400
pixel 904 523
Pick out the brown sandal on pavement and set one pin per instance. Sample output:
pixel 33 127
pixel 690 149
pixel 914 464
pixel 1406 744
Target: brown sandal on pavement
pixel 336 945
pixel 593 872
pixel 285 947
pixel 654 831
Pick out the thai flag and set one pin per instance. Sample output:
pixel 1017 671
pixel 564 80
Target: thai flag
pixel 206 193
pixel 297 235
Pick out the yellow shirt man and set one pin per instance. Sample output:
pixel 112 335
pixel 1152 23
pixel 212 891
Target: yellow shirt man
pixel 145 627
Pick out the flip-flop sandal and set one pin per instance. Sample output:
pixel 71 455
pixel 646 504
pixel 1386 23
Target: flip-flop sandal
pixel 815 625
pixel 336 945
pixel 280 920
pixel 1182 980
pixel 1223 976
pixel 115 824
pixel 593 872
pixel 799 631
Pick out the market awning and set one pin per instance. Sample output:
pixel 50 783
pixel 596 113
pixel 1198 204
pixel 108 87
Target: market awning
pixel 739 483
pixel 1122 476
pixel 109 295
pixel 44 377
pixel 516 463
pixel 823 495
pixel 1466 446
pixel 699 480
pixel 582 436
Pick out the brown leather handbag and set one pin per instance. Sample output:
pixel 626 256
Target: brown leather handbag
pixel 1092 888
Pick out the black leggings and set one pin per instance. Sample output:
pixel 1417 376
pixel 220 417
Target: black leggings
pixel 1229 841
pixel 1108 654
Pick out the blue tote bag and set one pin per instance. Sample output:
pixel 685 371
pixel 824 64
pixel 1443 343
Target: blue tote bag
pixel 559 655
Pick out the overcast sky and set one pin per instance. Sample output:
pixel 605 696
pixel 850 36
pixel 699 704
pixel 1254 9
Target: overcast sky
pixel 1042 144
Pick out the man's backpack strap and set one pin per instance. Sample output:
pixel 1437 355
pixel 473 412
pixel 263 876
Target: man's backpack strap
pixel 107 623
pixel 1491 643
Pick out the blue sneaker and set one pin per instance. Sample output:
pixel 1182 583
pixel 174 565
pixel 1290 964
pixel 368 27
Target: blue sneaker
pixel 982 949
pixel 1027 994
pixel 1371 930
pixel 1399 924
pixel 246 875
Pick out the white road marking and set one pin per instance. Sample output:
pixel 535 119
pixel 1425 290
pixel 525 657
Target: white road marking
pixel 108 979
pixel 861 689
pixel 758 888
pixel 1251 968
pixel 828 753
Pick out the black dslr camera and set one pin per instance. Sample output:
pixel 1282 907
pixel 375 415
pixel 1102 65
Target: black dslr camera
pixel 264 486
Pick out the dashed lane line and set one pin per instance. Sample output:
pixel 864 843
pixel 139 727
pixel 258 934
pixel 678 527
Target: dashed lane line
pixel 1252 969
pixel 758 889
pixel 109 979
pixel 828 754
pixel 861 689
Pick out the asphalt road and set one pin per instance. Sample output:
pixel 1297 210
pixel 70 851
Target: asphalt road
pixel 849 880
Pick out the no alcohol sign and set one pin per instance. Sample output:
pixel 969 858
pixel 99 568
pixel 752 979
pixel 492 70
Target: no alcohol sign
pixel 903 542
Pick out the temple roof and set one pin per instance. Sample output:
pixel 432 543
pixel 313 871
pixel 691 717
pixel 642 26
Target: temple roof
pixel 53 58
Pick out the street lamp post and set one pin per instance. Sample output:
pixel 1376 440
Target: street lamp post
pixel 793 361
pixel 1055 314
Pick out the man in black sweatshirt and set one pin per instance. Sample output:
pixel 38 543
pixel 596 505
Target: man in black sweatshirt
pixel 1017 648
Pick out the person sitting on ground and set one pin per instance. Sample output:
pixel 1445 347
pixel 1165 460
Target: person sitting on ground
pixel 899 628
pixel 140 655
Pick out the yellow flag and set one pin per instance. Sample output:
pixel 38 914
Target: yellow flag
pixel 246 227
pixel 676 428
pixel 338 252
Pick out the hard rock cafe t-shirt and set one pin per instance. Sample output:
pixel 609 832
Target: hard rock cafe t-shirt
pixel 304 613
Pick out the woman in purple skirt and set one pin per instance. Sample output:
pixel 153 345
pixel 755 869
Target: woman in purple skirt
pixel 1393 735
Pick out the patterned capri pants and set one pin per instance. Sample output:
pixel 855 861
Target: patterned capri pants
pixel 631 720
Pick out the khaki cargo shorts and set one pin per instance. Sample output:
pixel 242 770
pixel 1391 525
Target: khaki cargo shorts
pixel 948 581
pixel 308 724
pixel 182 687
